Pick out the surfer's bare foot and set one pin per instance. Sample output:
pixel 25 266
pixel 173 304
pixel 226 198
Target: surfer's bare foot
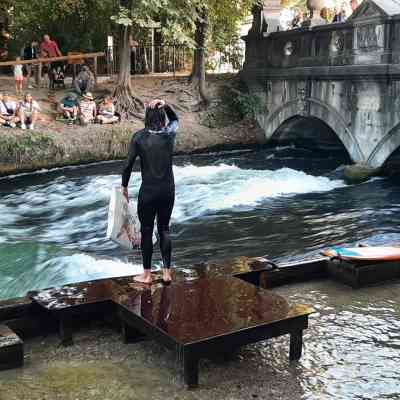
pixel 167 278
pixel 143 278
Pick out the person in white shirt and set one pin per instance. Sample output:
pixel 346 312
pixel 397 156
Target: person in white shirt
pixel 8 109
pixel 28 112
pixel 106 112
pixel 19 76
pixel 87 109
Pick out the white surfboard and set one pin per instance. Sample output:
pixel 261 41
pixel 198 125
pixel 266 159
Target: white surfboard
pixel 123 221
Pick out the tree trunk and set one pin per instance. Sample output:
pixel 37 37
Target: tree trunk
pixel 127 104
pixel 198 76
pixel 146 69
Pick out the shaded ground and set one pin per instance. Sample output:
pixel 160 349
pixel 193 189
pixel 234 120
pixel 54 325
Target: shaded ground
pixel 57 144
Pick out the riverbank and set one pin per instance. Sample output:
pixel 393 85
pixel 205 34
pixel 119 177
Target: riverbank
pixel 55 144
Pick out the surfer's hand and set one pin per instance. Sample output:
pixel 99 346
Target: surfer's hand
pixel 125 193
pixel 157 103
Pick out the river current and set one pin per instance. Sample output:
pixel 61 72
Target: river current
pixel 283 202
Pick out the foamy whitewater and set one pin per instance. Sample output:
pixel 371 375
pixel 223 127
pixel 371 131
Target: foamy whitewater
pixel 71 214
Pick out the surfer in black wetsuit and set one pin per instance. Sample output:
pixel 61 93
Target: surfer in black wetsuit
pixel 154 145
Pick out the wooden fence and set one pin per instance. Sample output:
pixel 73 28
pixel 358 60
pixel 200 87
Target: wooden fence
pixel 70 59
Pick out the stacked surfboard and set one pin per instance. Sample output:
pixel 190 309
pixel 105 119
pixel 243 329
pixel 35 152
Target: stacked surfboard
pixel 364 254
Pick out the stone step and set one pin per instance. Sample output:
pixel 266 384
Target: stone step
pixel 11 349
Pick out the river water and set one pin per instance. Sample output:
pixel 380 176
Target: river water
pixel 283 202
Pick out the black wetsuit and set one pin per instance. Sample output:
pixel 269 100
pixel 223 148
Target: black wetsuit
pixel 157 192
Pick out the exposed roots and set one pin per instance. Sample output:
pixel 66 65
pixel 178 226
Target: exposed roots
pixel 128 105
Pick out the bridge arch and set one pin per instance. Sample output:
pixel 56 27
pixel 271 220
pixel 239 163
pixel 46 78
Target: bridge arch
pixel 385 148
pixel 317 110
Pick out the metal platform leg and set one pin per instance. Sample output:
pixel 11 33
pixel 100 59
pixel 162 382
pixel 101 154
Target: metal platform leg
pixel 131 335
pixel 190 369
pixel 65 330
pixel 296 345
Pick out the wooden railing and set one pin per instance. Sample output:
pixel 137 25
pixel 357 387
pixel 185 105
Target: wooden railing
pixel 69 58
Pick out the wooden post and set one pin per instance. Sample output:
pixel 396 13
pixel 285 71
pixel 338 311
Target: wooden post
pixel 153 51
pixel 95 69
pixel 174 59
pixel 39 75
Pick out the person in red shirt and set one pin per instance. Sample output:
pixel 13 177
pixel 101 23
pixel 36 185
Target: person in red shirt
pixel 49 48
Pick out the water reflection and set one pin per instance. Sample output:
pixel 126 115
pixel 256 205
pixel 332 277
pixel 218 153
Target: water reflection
pixel 352 346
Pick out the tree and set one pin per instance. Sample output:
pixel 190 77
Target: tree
pixel 219 21
pixel 198 76
pixel 127 104
pixel 140 14
pixel 71 22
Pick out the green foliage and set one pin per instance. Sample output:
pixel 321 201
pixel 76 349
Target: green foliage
pixel 225 17
pixel 248 105
pixel 26 146
pixel 235 105
pixel 77 25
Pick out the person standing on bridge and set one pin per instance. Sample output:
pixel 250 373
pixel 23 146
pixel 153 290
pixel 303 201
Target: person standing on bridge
pixel 154 145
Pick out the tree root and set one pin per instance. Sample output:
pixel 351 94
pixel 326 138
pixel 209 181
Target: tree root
pixel 128 105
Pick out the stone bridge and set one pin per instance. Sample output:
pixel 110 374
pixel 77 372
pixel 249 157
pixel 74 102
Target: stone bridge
pixel 345 76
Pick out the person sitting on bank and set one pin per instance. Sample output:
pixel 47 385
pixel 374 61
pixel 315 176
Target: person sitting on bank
pixel 69 107
pixel 8 109
pixel 87 109
pixel 28 112
pixel 84 82
pixel 106 114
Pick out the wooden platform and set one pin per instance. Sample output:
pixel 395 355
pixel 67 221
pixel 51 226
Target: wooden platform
pixel 362 274
pixel 202 313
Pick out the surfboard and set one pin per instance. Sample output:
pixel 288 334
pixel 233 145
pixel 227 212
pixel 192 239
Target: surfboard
pixel 379 253
pixel 123 221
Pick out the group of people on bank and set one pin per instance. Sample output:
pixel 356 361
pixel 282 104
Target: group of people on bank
pixel 53 71
pixel 25 113
pixel 86 111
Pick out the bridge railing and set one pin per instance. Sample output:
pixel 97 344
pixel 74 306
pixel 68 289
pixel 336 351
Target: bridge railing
pixel 354 42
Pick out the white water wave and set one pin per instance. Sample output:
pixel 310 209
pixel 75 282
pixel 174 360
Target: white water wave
pixel 68 211
pixel 202 190
pixel 63 270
